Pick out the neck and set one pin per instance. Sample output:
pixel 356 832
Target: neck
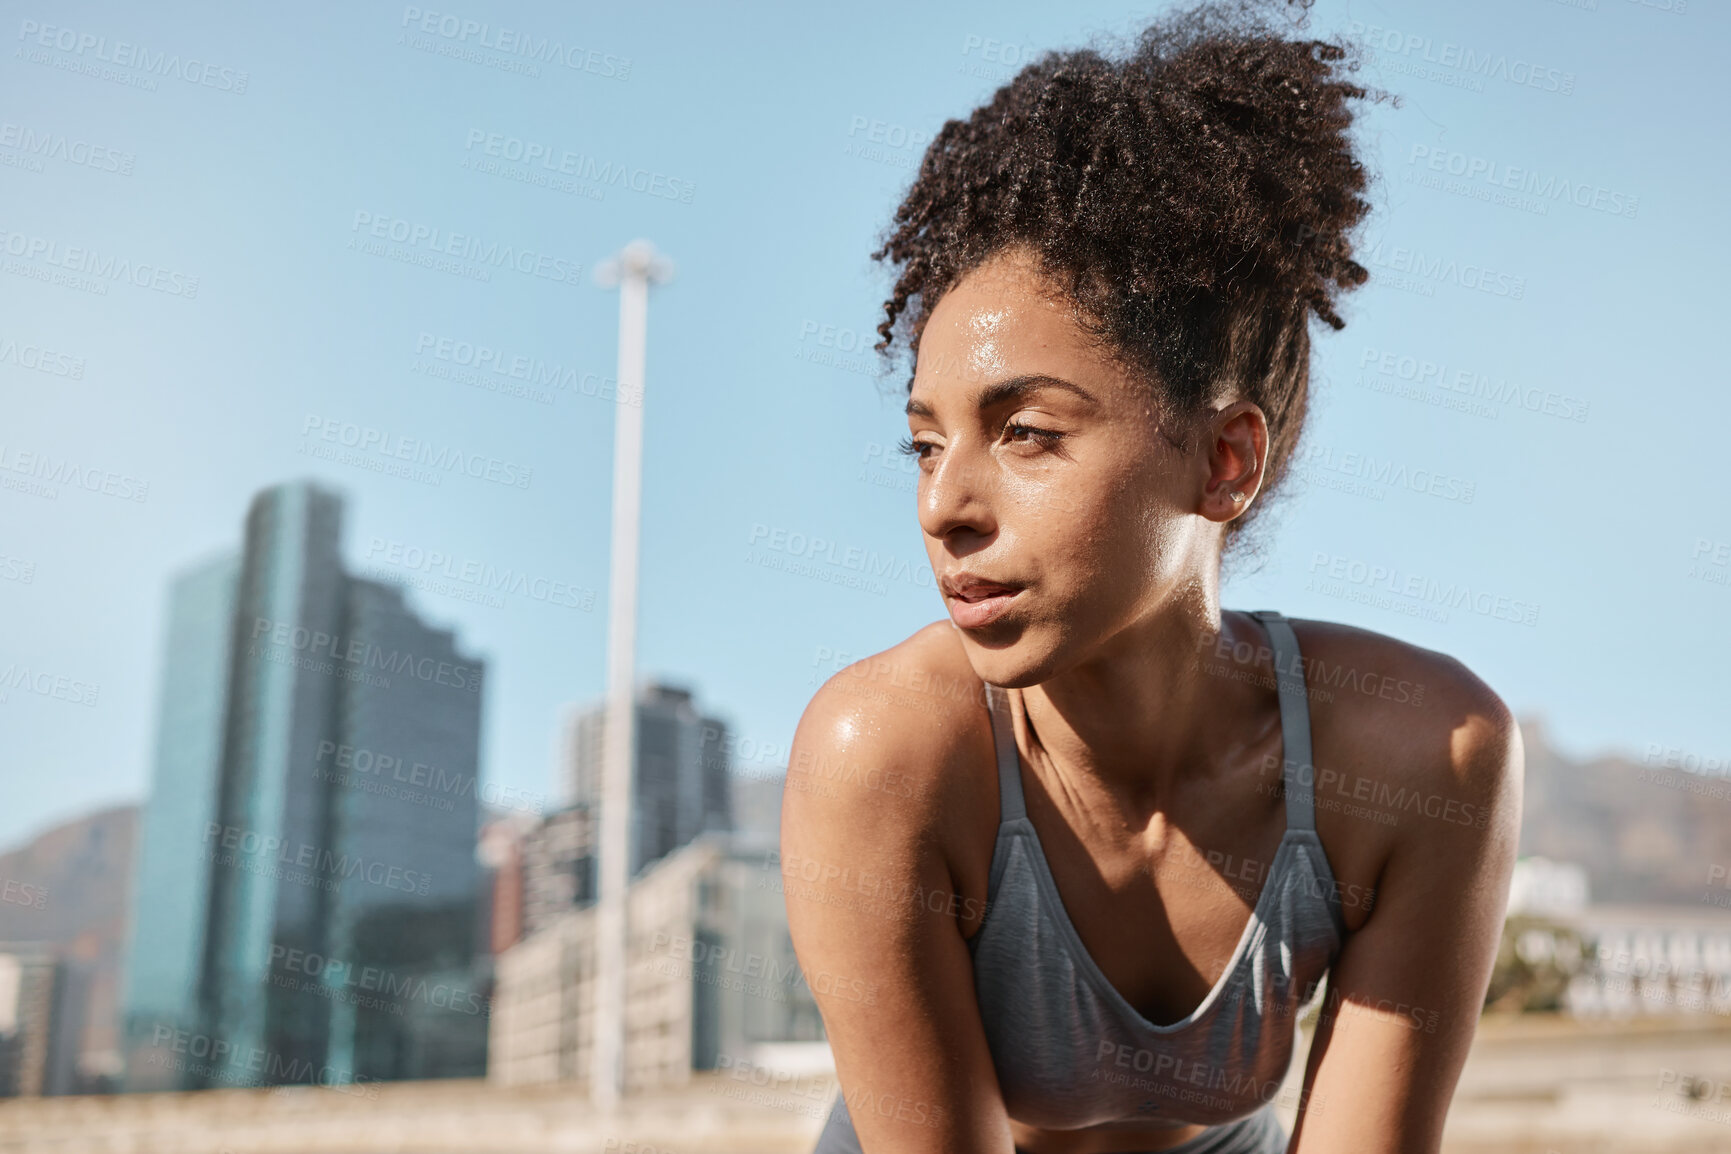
pixel 1154 709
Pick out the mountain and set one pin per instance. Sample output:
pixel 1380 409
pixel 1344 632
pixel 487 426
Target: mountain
pixel 1645 834
pixel 69 887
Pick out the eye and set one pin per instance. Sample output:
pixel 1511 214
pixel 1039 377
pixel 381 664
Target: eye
pixel 912 448
pixel 1045 437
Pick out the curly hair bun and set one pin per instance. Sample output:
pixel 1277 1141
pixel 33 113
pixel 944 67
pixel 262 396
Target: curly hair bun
pixel 1195 195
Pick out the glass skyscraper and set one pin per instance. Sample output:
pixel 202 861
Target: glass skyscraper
pixel 306 902
pixel 171 887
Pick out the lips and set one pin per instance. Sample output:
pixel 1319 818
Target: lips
pixel 974 601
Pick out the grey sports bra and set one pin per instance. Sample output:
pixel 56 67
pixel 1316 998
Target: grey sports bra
pixel 1069 1050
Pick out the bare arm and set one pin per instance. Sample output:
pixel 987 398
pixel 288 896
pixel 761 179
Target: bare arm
pixel 1405 993
pixel 876 923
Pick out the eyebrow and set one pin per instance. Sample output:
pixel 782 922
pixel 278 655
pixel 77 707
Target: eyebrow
pixel 1014 388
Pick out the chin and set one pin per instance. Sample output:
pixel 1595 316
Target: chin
pixel 1012 655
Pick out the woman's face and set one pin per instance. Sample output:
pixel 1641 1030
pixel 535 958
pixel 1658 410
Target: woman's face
pixel 1055 514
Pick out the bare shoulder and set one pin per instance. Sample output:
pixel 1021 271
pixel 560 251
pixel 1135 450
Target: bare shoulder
pixel 1418 788
pixel 874 853
pixel 1400 714
pixel 899 733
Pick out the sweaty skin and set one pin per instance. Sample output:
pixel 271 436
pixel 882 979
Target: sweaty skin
pixel 1087 513
pixel 1045 468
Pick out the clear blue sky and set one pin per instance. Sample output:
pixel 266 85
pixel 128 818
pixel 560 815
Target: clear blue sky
pixel 794 128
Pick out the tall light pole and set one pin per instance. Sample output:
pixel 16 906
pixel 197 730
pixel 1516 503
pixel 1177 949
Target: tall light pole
pixel 632 271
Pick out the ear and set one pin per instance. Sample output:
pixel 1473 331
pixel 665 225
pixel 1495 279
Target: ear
pixel 1235 451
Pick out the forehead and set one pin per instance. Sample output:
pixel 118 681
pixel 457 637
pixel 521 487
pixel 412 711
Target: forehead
pixel 1005 319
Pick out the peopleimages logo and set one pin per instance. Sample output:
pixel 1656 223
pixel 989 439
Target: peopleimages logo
pixel 1437 374
pixel 314 971
pixel 885 142
pixel 365 654
pixel 1381 471
pixel 1676 757
pixel 1430 269
pixel 325 866
pixel 41 360
pixel 1463 60
pixel 481 575
pixel 45 684
pixel 430 241
pixel 103 267
pixel 124 54
pixel 356 765
pixel 396 447
pixel 1472 167
pixel 851 557
pixel 483 358
pixel 64 471
pixel 24 894
pixel 1377 578
pixel 579 165
pixel 59 146
pixel 228 1062
pixel 513 42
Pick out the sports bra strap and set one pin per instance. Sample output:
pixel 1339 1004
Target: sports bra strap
pixel 1010 806
pixel 1296 771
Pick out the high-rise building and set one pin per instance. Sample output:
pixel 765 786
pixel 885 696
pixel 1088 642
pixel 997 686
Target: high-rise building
pixel 680 787
pixel 171 888
pixel 40 1021
pixel 305 908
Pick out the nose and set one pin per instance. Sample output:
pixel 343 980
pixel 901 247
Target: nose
pixel 958 496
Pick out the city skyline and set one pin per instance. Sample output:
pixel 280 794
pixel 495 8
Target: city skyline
pixel 766 432
pixel 200 592
pixel 352 520
pixel 313 830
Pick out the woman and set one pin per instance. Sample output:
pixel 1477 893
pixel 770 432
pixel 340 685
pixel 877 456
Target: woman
pixel 1083 852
